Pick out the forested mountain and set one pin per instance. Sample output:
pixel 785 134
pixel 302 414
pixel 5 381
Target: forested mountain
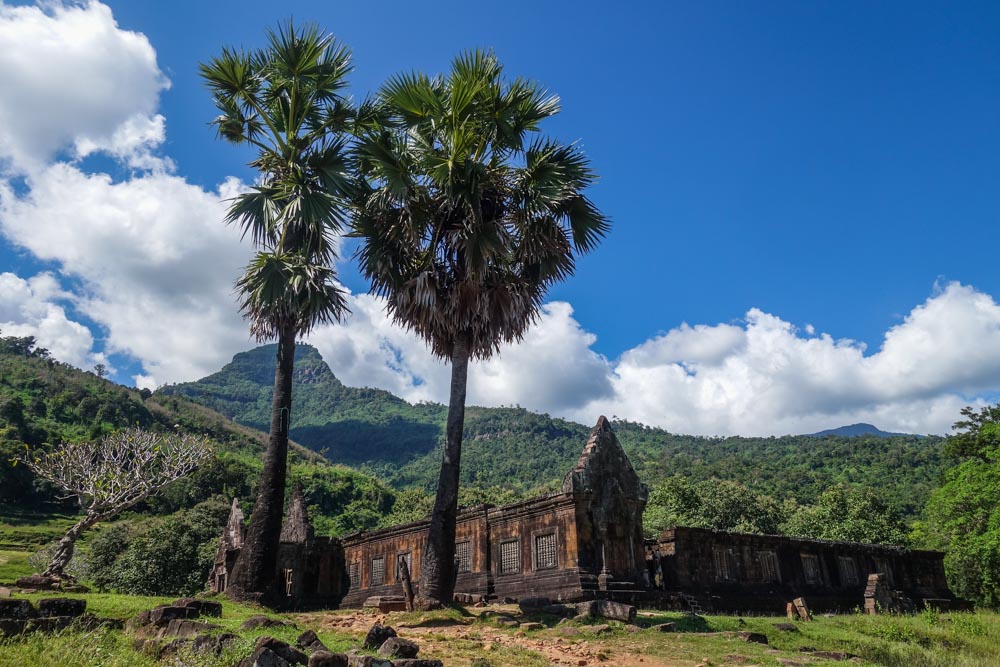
pixel 514 448
pixel 44 402
pixel 852 430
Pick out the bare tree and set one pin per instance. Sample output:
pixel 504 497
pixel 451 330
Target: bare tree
pixel 109 475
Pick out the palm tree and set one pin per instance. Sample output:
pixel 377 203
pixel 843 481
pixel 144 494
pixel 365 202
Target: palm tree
pixel 466 221
pixel 285 101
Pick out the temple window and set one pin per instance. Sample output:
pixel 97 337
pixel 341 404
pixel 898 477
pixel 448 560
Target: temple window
pixel 378 571
pixel 545 551
pixel 463 556
pixel 811 569
pixel 848 571
pixel 355 575
pixel 510 557
pixel 768 566
pixel 725 564
pixel 288 582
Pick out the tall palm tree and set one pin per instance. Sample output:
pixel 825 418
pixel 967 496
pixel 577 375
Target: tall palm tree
pixel 466 220
pixel 286 101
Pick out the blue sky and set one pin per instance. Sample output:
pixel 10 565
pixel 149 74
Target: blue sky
pixel 828 164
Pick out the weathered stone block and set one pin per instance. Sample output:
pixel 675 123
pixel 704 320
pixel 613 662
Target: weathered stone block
pixel 203 607
pixel 287 653
pixel 327 659
pixel 358 660
pixel 61 607
pixel 664 627
pixel 49 624
pixel 310 642
pixel 10 626
pixel 529 605
pixel 417 662
pixel 397 647
pixel 161 616
pixel 181 627
pixel 263 658
pixel 615 611
pixel 16 609
pixel 377 636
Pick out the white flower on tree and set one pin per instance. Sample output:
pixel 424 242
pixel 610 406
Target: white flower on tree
pixel 110 475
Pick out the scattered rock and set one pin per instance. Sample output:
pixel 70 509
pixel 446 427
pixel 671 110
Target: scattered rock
pixel 529 605
pixel 418 662
pixel 263 658
pixel 664 627
pixel 11 626
pixel 507 622
pixel 203 607
pixel 61 607
pixel 752 637
pixel 255 622
pixel 600 629
pixel 163 615
pixel 327 659
pixel 355 659
pixel 49 624
pixel 532 626
pixel 397 647
pixel 786 627
pixel 16 609
pixel 38 582
pixel 377 635
pixel 615 611
pixel 310 642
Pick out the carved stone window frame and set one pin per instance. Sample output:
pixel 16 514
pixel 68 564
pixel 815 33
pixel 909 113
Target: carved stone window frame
pixel 372 570
pixel 544 532
pixel 809 556
pixel 354 574
pixel 501 572
pixel 468 567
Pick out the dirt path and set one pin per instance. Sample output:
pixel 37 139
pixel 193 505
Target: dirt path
pixel 457 642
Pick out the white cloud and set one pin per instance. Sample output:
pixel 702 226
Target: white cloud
pixel 767 377
pixel 30 308
pixel 156 263
pixel 73 80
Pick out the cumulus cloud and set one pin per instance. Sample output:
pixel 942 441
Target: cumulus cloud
pixel 31 308
pixel 155 262
pixel 73 81
pixel 768 377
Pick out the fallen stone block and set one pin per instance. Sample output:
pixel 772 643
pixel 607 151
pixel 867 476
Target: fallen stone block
pixel 355 659
pixel 786 627
pixel 615 611
pixel 263 658
pixel 214 644
pixel 397 647
pixel 16 609
pixel 183 628
pixel 289 654
pixel 137 621
pixel 600 629
pixel 833 655
pixel 61 607
pixel 377 635
pixel 5 592
pixel 310 642
pixel 163 615
pixel 664 627
pixel 203 607
pixel 49 624
pixel 38 582
pixel 532 626
pixel 11 626
pixel 386 603
pixel 417 662
pixel 327 659
pixel 751 637
pixel 528 605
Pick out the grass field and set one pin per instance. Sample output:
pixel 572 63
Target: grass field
pixel 461 637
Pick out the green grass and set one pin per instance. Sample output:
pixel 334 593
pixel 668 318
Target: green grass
pixel 459 636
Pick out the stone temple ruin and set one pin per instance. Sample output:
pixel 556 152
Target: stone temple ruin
pixel 586 542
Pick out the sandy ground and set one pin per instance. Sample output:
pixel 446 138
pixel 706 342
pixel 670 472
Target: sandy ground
pixel 561 645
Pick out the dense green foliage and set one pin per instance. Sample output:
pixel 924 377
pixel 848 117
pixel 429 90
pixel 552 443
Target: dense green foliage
pixel 530 452
pixel 854 514
pixel 963 515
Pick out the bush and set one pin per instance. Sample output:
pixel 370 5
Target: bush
pixel 169 555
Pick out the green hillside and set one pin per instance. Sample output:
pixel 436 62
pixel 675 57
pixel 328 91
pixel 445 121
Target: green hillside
pixel 511 447
pixel 44 402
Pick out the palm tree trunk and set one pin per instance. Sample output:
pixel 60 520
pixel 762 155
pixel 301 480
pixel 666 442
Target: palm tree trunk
pixel 66 546
pixel 254 572
pixel 437 567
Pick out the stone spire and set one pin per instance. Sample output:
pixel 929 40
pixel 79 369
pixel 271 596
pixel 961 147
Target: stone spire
pixel 297 527
pixel 602 459
pixel 232 536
